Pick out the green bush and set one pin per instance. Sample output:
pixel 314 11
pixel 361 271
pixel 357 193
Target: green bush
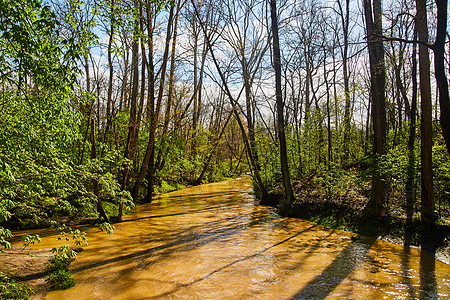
pixel 10 288
pixel 57 271
pixel 57 263
pixel 60 280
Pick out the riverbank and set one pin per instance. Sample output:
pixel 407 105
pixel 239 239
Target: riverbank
pixel 343 206
pixel 29 267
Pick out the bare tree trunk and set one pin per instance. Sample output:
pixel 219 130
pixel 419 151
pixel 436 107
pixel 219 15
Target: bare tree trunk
pixel 287 201
pixel 167 114
pixel 411 171
pixel 172 71
pixel 194 115
pixel 345 20
pixel 413 110
pixel 130 145
pixel 439 69
pixel 154 114
pixel 377 87
pixel 111 74
pixel 426 124
pixel 329 134
pixel 234 107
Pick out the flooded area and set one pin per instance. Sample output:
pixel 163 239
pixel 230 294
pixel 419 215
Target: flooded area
pixel 215 242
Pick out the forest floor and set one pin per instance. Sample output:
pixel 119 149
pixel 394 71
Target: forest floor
pixel 343 206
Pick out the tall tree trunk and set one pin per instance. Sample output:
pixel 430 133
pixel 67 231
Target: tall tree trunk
pixel 377 87
pixel 130 145
pixel 154 114
pixel 124 86
pixel 426 124
pixel 287 201
pixel 194 115
pixel 172 71
pixel 439 69
pixel 411 171
pixel 345 20
pixel 413 110
pixel 329 134
pixel 111 74
pixel 249 112
pixel 167 114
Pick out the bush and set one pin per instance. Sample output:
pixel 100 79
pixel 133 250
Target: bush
pixel 57 270
pixel 57 263
pixel 60 280
pixel 10 288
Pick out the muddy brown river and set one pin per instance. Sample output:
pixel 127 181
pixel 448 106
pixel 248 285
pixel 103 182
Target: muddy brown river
pixel 215 242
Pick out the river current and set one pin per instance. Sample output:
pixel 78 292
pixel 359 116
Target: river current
pixel 214 242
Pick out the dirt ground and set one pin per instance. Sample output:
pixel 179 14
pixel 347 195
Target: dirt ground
pixel 29 265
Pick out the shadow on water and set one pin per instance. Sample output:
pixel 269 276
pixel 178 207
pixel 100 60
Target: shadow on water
pixel 428 285
pixel 323 284
pixel 408 231
pixel 189 239
pixel 193 211
pixel 219 244
pixel 194 196
pixel 233 263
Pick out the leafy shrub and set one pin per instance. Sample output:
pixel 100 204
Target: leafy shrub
pixel 57 263
pixel 57 271
pixel 10 288
pixel 5 233
pixel 166 187
pixel 60 280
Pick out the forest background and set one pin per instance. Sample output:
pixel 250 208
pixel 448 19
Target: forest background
pixel 339 109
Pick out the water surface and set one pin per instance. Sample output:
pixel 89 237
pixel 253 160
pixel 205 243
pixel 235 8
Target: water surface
pixel 215 242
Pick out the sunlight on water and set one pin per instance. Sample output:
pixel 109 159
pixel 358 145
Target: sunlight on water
pixel 214 242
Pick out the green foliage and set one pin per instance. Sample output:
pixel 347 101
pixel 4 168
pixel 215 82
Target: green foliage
pixel 56 268
pixel 60 280
pixel 441 168
pixel 166 187
pixel 38 125
pixel 11 288
pixel 32 47
pixel 105 226
pixel 60 261
pixel 30 239
pixel 67 234
pixel 4 234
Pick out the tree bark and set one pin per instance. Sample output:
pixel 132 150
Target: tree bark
pixel 130 145
pixel 439 70
pixel 154 114
pixel 377 88
pixel 426 116
pixel 345 20
pixel 287 201
pixel 111 74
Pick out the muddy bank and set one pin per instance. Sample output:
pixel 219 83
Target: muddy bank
pixel 29 266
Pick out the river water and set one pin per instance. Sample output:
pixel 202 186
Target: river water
pixel 214 242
